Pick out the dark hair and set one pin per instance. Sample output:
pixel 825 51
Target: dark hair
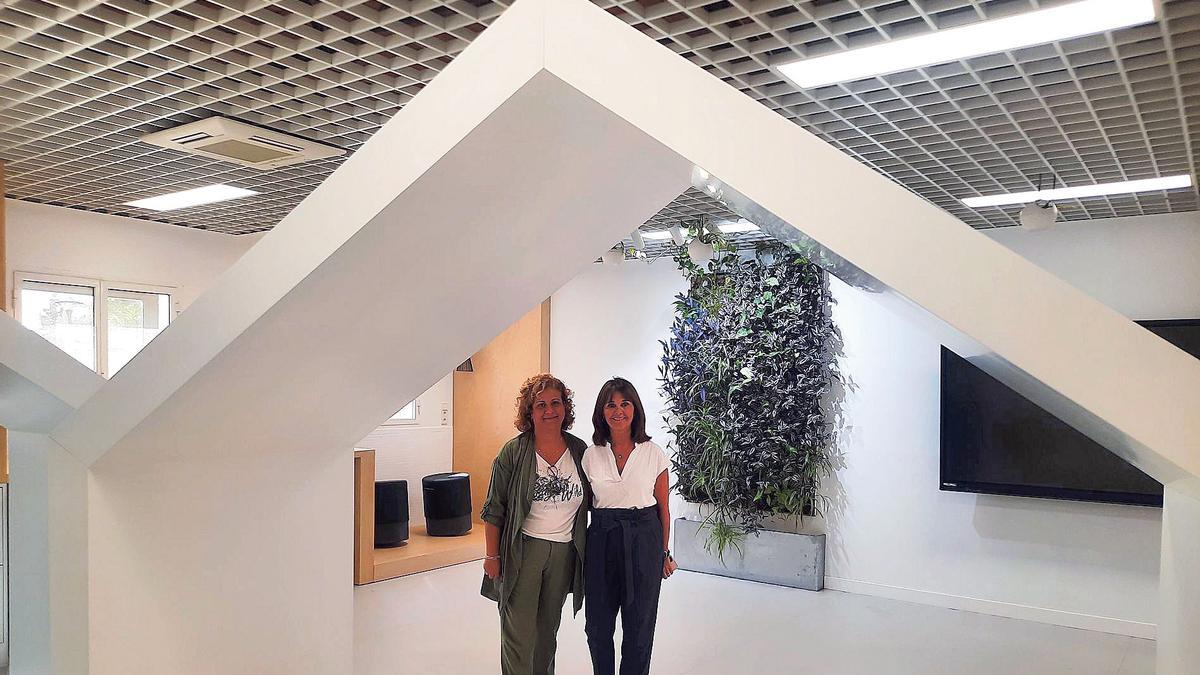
pixel 601 434
pixel 529 391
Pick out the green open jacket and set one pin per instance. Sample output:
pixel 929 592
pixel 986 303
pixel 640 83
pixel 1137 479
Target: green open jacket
pixel 509 499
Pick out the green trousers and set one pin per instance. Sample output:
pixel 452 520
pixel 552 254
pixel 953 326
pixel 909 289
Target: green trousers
pixel 529 620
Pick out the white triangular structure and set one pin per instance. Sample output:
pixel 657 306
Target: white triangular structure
pixel 219 487
pixel 40 386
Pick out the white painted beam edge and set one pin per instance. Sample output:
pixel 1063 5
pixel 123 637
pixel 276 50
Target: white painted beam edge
pixel 509 54
pixel 39 383
pixel 1110 367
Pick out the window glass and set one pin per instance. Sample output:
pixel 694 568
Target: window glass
pixel 134 318
pixel 407 414
pixel 64 314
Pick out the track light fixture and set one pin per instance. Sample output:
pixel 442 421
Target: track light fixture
pixel 676 235
pixel 614 256
pixel 639 242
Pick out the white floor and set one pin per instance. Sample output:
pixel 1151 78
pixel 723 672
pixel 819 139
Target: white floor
pixel 437 622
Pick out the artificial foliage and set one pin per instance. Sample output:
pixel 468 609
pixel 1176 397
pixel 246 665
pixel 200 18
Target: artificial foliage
pixel 746 375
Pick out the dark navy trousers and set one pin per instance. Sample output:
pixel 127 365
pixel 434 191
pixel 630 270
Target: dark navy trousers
pixel 622 572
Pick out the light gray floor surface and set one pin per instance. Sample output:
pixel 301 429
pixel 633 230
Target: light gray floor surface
pixel 436 622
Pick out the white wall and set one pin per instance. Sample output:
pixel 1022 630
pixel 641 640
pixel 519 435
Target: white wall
pixel 895 533
pixel 70 242
pixel 1145 268
pixel 606 323
pixel 413 451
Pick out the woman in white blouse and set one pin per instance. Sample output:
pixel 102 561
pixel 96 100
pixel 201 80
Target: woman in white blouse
pixel 627 541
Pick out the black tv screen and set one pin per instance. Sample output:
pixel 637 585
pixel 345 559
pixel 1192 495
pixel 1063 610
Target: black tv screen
pixel 996 441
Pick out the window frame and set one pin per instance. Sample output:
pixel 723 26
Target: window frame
pixel 416 419
pixel 100 293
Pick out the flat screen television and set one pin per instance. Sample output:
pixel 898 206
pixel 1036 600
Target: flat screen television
pixel 996 441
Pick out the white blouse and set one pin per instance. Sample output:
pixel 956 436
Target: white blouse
pixel 631 489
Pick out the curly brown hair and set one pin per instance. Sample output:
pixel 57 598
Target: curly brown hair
pixel 529 391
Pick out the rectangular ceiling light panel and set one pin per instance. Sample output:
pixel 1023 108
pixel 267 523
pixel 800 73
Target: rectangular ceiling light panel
pixel 233 141
pixel 209 194
pixel 1083 17
pixel 1082 191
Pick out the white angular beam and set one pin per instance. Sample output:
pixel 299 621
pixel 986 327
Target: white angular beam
pixel 40 385
pixel 221 454
pixel 1129 383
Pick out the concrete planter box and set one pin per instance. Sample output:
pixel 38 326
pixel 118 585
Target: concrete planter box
pixel 770 557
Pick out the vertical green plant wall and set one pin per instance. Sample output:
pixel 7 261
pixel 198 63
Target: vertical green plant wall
pixel 745 373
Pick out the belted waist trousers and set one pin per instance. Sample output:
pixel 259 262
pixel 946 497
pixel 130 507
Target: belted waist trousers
pixel 623 572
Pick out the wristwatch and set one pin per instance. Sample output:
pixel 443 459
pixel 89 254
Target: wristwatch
pixel 667 555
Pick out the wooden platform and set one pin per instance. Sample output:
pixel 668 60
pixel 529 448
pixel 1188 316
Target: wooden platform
pixel 423 553
pixel 420 554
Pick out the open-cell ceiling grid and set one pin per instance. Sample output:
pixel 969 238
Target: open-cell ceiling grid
pixel 81 81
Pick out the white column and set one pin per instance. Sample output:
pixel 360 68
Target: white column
pixel 48 557
pixel 1179 584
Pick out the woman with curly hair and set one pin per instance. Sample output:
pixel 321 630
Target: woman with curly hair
pixel 535 520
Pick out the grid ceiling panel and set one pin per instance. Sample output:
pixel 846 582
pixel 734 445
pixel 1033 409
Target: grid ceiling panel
pixel 81 81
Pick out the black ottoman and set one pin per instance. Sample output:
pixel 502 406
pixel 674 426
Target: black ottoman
pixel 447 504
pixel 391 513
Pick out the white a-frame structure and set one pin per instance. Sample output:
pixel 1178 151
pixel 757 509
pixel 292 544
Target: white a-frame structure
pixel 193 513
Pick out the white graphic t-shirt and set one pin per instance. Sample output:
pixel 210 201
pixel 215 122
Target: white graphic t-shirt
pixel 557 496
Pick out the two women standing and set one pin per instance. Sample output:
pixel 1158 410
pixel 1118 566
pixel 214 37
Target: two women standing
pixel 536 523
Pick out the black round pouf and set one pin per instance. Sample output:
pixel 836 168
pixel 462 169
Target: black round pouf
pixel 391 513
pixel 447 504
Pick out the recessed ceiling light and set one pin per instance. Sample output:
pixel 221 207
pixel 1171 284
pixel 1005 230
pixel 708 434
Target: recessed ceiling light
pixel 1084 17
pixel 1082 191
pixel 181 200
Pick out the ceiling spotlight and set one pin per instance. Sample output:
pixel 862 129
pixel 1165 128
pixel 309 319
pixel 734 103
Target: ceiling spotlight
pixel 638 242
pixel 1038 215
pixel 614 255
pixel 700 252
pixel 676 235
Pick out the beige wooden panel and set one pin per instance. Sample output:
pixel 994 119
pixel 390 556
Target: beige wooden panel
pixel 364 516
pixel 485 400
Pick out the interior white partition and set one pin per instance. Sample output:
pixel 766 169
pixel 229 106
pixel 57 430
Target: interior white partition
pixel 220 466
pixel 1179 584
pixel 40 385
pixel 48 571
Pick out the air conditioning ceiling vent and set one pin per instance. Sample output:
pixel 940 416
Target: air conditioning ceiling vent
pixel 233 141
